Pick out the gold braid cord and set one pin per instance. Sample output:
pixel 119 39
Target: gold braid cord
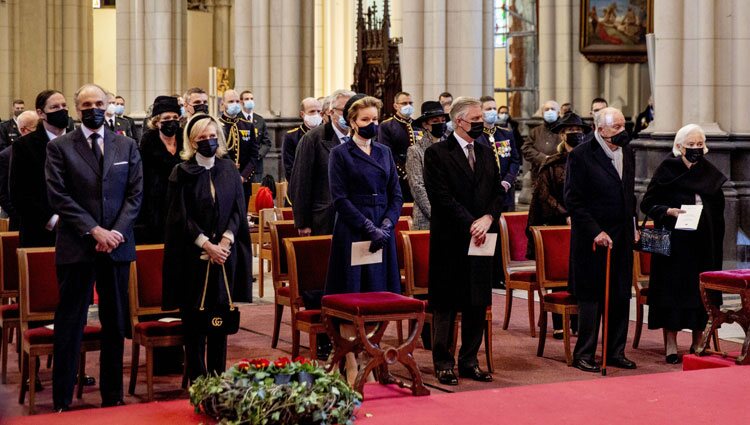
pixel 410 131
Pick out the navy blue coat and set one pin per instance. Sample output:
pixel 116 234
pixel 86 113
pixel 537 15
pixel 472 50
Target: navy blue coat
pixel 509 162
pixel 362 187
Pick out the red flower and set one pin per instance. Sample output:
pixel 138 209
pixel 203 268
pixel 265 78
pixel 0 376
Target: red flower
pixel 243 365
pixel 260 363
pixel 301 360
pixel 282 361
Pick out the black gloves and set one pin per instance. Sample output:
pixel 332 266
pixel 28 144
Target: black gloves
pixel 378 235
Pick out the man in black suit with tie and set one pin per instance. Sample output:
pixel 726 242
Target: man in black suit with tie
pixel 599 195
pixel 463 184
pixel 95 184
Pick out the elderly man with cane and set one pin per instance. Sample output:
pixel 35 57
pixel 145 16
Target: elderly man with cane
pixel 599 195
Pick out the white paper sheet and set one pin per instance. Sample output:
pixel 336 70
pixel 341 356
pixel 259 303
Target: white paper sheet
pixel 487 249
pixel 361 254
pixel 169 319
pixel 689 220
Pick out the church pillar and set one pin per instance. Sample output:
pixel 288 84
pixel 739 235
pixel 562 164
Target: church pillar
pixel 151 50
pixel 547 64
pixel 415 53
pixel 222 14
pixel 7 92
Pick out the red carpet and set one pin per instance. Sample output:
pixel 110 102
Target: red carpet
pixel 700 397
pixel 693 362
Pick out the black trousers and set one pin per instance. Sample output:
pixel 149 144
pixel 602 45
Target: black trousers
pixel 76 283
pixel 205 355
pixel 472 330
pixel 589 317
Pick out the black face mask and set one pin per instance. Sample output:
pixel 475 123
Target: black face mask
pixel 202 108
pixel 476 130
pixel 170 128
pixel 437 130
pixel 573 139
pixel 620 139
pixel 693 155
pixel 208 147
pixel 369 131
pixel 58 119
pixel 92 118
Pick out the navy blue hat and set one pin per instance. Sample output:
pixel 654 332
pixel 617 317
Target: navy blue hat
pixel 349 104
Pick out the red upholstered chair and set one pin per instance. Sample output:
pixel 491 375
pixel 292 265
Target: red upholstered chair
pixel 280 231
pixel 407 209
pixel 39 295
pixel 9 314
pixel 265 217
pixel 145 287
pixel 641 273
pixel 417 269
pixel 284 213
pixel 307 259
pixel 552 253
pixel 402 225
pixel 520 273
pixel 735 282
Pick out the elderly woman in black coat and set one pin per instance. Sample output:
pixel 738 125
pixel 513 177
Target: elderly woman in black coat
pixel 160 150
pixel 206 231
pixel 684 178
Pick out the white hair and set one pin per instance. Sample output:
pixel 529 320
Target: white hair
pixel 461 105
pixel 682 135
pixel 606 117
pixel 341 93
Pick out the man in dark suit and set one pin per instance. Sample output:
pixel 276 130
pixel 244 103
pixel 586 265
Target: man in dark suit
pixel 258 136
pixel 95 184
pixel 120 113
pixel 9 131
pixel 466 199
pixel 308 184
pixel 310 111
pixel 117 124
pixel 599 196
pixel 27 123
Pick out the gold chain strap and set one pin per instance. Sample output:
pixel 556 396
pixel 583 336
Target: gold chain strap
pixel 226 285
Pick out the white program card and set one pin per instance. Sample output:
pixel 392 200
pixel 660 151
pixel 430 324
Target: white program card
pixel 169 319
pixel 487 249
pixel 689 220
pixel 361 254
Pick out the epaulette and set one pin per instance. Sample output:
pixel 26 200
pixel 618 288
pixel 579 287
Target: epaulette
pixel 386 120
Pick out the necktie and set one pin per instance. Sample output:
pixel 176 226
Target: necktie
pixel 471 157
pixel 95 149
pixel 345 139
pixel 112 124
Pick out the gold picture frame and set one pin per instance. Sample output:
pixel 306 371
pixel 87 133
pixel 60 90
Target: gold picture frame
pixel 615 30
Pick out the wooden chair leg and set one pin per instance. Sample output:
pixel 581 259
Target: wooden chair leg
pixel 24 377
pixel 32 384
pixel 49 361
pixel 508 305
pixel 488 343
pixel 531 312
pixel 638 324
pixel 184 370
pixel 134 359
pixel 4 347
pixel 81 374
pixel 566 338
pixel 542 333
pixel 715 337
pixel 313 346
pixel 400 332
pixel 277 313
pixel 295 341
pixel 149 373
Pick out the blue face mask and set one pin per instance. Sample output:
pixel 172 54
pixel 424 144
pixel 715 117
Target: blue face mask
pixel 550 116
pixel 490 117
pixel 449 126
pixel 233 109
pixel 407 110
pixel 249 105
pixel 182 111
pixel 343 124
pixel 119 110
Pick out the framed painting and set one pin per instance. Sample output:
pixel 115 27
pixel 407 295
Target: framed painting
pixel 615 30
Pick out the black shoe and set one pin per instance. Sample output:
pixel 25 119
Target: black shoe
pixel 672 358
pixel 499 285
pixel 324 350
pixel 37 385
pixel 446 377
pixel 475 373
pixel 61 409
pixel 558 334
pixel 119 402
pixel 585 365
pixel 89 381
pixel 621 362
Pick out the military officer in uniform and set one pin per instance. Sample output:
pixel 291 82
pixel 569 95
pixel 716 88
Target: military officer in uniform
pixel 257 136
pixel 310 111
pixel 117 124
pixel 240 137
pixel 9 129
pixel 398 133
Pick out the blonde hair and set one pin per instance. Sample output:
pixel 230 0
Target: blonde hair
pixel 682 135
pixel 365 102
pixel 197 125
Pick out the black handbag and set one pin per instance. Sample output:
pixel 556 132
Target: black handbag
pixel 221 320
pixel 654 241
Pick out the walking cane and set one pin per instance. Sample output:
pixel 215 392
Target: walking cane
pixel 606 316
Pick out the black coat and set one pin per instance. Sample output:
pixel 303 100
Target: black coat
pixel 599 200
pixel 29 197
pixel 674 296
pixel 363 187
pixel 459 196
pixel 289 148
pixel 5 201
pixel 192 212
pixel 158 164
pixel 308 187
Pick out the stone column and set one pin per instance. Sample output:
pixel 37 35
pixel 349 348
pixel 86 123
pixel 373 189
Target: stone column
pixel 6 55
pixel 414 53
pixel 668 21
pixel 151 50
pixel 222 13
pixel 464 47
pixel 546 42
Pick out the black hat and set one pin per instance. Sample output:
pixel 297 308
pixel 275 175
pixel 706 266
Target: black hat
pixel 164 104
pixel 570 120
pixel 349 104
pixel 430 109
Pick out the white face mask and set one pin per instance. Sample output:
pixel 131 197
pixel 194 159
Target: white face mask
pixel 313 120
pixel 111 109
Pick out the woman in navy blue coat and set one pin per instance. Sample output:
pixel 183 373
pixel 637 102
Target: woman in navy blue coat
pixel 367 199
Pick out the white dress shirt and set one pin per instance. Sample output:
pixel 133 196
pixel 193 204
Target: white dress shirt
pixel 463 143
